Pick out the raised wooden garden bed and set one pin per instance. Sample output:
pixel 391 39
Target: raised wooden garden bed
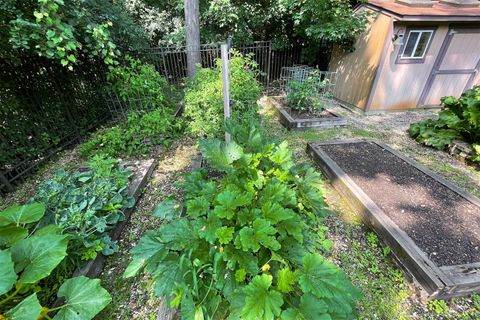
pixel 432 226
pixel 142 170
pixel 293 121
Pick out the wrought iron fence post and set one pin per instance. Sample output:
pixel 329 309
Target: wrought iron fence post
pixel 269 60
pixel 5 181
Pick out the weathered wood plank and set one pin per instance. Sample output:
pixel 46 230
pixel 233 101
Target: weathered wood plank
pixel 304 124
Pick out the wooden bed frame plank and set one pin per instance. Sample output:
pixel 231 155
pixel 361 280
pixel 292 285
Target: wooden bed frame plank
pixel 304 124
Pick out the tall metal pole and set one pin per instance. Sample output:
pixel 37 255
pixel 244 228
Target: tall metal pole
pixel 226 87
pixel 192 24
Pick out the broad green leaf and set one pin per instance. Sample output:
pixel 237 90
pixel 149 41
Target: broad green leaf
pixel 37 256
pixel 49 229
pixel 286 280
pixel 10 235
pixel 224 234
pixel 325 280
pixel 282 155
pixel 167 210
pixel 220 155
pixel 22 214
pixel 167 275
pixel 178 234
pixel 293 226
pixel 310 308
pixel 84 297
pixel 209 227
pixel 7 272
pixel 229 200
pixel 260 301
pixel 148 246
pixel 197 207
pixel 275 213
pixel 28 309
pixel 262 233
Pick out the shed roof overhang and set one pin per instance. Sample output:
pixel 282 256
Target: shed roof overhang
pixel 438 11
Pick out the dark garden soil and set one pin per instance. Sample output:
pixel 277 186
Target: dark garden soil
pixel 441 222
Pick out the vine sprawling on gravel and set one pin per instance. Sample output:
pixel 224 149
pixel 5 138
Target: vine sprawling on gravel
pixel 244 246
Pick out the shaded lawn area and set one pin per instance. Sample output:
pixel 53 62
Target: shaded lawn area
pixel 357 250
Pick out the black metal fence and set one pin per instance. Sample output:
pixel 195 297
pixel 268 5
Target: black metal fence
pixel 171 61
pixel 44 108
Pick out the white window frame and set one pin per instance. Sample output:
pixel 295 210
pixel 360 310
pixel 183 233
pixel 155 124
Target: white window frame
pixel 421 32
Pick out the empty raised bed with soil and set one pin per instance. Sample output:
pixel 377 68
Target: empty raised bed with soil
pixel 432 226
pixel 293 120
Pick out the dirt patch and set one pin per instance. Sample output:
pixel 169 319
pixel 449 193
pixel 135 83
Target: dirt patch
pixel 440 221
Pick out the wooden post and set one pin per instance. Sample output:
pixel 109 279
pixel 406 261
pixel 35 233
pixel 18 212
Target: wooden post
pixel 192 25
pixel 226 87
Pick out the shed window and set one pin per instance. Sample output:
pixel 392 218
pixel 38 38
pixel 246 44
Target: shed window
pixel 417 44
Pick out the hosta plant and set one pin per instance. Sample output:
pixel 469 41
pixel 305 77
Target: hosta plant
pixel 27 256
pixel 243 245
pixel 87 204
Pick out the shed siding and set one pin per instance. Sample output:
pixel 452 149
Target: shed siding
pixel 357 70
pixel 400 85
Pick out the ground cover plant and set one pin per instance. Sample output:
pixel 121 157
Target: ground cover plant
pixel 150 113
pixel 86 204
pixel 458 119
pixel 204 96
pixel 28 254
pixel 245 247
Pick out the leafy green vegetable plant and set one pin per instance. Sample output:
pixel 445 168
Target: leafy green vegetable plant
pixel 458 119
pixel 135 136
pixel 86 204
pixel 27 258
pixel 204 95
pixel 305 95
pixel 243 248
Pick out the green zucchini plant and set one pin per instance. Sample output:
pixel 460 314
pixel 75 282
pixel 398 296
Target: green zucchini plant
pixel 86 204
pixel 245 241
pixel 458 119
pixel 27 257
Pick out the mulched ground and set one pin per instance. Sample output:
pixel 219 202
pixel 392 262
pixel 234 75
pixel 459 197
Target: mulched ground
pixel 441 222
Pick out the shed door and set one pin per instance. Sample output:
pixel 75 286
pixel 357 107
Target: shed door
pixel 456 66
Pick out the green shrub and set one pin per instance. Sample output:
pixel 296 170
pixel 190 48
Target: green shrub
pixel 304 96
pixel 244 247
pixel 86 204
pixel 135 136
pixel 458 119
pixel 27 256
pixel 204 95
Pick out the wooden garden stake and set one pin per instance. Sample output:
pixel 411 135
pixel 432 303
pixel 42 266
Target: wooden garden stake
pixel 226 87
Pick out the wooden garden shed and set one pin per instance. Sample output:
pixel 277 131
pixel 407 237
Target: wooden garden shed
pixel 412 53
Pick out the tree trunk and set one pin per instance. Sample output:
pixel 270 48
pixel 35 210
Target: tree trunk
pixel 192 24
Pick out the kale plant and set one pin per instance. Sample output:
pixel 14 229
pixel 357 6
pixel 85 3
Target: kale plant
pixel 246 246
pixel 86 204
